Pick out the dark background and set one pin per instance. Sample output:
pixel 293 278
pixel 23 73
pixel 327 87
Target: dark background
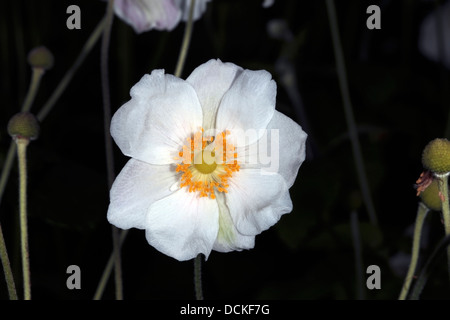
pixel 400 102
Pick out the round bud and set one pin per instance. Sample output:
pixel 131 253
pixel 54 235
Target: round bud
pixel 436 156
pixel 430 196
pixel 41 57
pixel 23 125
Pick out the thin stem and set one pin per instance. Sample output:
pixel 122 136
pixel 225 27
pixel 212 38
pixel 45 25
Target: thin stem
pixel 10 156
pixel 428 268
pixel 46 109
pixel 422 211
pixel 51 101
pixel 71 72
pixel 108 141
pixel 348 111
pixel 198 277
pixel 34 86
pixel 443 192
pixel 21 154
pixel 356 237
pixel 7 268
pixel 108 268
pixel 186 41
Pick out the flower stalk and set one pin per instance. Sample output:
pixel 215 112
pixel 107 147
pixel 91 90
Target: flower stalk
pixel 22 144
pixel 108 141
pixel 186 40
pixel 198 277
pixel 443 193
pixel 7 268
pixel 422 212
pixel 348 111
pixel 34 86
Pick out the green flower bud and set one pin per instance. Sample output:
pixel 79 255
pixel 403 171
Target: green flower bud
pixel 436 156
pixel 430 196
pixel 41 57
pixel 23 125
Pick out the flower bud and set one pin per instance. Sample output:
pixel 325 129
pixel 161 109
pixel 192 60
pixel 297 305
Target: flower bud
pixel 436 156
pixel 430 196
pixel 23 125
pixel 41 57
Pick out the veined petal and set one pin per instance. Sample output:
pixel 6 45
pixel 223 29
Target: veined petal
pixel 211 80
pixel 199 9
pixel 183 225
pixel 144 15
pixel 137 186
pixel 281 149
pixel 257 200
pixel 249 104
pixel 163 112
pixel 228 238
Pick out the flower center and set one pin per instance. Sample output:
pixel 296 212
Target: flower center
pixel 207 163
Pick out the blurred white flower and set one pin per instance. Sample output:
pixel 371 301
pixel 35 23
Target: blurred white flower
pixel 192 181
pixel 145 15
pixel 268 3
pixel 434 35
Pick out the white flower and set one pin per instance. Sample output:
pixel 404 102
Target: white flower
pixel 434 43
pixel 191 191
pixel 268 3
pixel 145 15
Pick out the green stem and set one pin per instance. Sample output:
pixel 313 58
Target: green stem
pixel 422 211
pixel 108 140
pixel 71 72
pixel 428 268
pixel 52 100
pixel 21 154
pixel 443 191
pixel 7 168
pixel 198 277
pixel 108 268
pixel 348 111
pixel 7 268
pixel 34 86
pixel 47 108
pixel 356 237
pixel 186 41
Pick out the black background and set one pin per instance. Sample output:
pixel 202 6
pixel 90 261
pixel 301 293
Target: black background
pixel 400 102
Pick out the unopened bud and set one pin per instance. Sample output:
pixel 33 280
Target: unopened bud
pixel 436 156
pixel 41 57
pixel 430 196
pixel 23 125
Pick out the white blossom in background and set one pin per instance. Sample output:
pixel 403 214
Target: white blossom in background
pixel 145 15
pixel 434 42
pixel 194 182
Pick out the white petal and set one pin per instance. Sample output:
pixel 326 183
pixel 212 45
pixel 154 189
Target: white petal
pixel 183 225
pixel 257 200
pixel 248 105
pixel 268 3
pixel 154 124
pixel 282 149
pixel 211 80
pixel 137 186
pixel 144 15
pixel 199 9
pixel 228 238
pixel 434 34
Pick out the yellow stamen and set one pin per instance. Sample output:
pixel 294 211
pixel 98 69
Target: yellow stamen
pixel 207 171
